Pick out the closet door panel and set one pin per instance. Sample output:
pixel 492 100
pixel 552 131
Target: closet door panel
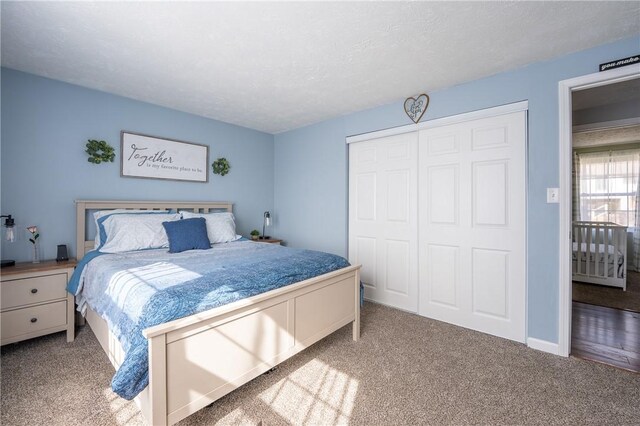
pixel 366 256
pixel 471 203
pixel 383 218
pixel 490 197
pixel 490 282
pixel 443 194
pixel 442 266
pixel 366 193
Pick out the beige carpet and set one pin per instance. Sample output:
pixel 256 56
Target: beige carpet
pixel 610 296
pixel 406 370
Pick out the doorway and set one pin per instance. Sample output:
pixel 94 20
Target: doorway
pixel 599 168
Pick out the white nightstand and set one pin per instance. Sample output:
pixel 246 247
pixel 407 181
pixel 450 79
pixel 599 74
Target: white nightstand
pixel 34 300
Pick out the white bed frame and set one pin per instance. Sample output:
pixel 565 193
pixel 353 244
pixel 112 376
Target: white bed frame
pixel 594 267
pixel 194 361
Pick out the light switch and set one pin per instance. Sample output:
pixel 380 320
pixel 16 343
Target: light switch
pixel 553 195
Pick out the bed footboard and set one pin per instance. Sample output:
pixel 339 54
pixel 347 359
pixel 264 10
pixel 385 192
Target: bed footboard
pixel 198 359
pixel 600 253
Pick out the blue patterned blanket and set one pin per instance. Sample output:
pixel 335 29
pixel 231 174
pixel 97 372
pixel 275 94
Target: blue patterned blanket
pixel 136 290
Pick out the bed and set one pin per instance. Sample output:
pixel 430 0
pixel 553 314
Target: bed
pixel 195 360
pixel 600 253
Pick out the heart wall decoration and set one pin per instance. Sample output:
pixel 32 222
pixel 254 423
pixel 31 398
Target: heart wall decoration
pixel 415 107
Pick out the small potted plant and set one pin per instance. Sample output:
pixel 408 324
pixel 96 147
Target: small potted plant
pixel 255 234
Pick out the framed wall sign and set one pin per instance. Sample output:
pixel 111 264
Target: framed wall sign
pixel 144 156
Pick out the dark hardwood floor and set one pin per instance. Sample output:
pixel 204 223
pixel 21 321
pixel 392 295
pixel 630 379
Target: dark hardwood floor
pixel 607 335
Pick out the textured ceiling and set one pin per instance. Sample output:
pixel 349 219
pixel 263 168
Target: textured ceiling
pixel 279 66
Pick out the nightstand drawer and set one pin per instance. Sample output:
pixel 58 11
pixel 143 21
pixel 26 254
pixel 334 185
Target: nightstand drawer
pixel 34 319
pixel 27 291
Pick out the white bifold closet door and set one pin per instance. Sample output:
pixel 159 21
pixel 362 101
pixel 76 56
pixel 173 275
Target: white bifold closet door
pixel 383 231
pixel 472 224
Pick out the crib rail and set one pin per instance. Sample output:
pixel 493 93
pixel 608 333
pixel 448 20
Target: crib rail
pixel 600 253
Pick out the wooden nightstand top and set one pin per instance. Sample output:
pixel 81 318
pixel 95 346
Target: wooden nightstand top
pixel 29 267
pixel 268 240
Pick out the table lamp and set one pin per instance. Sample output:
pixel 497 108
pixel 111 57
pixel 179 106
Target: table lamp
pixel 267 222
pixel 9 236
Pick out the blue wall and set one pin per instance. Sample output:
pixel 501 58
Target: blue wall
pixel 311 166
pixel 45 125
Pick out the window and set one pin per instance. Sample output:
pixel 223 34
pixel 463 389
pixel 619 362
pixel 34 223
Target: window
pixel 608 186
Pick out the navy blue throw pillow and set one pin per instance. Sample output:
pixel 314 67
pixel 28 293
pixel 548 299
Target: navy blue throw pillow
pixel 187 234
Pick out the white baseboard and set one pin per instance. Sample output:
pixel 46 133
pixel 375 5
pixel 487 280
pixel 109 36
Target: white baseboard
pixel 543 345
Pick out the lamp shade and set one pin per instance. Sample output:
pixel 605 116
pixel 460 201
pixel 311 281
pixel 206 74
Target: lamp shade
pixel 9 236
pixel 265 223
pixel 10 231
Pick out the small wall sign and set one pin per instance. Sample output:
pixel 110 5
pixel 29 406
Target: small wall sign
pixel 415 107
pixel 620 63
pixel 145 156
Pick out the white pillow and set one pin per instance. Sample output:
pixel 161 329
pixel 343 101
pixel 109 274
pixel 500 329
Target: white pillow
pixel 221 227
pixel 101 213
pixel 128 232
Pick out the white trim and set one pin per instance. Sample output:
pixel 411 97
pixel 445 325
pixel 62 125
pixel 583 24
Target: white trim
pixel 445 121
pixel 607 125
pixel 565 88
pixel 542 345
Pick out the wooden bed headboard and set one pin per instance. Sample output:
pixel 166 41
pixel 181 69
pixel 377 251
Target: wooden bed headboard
pixel 83 207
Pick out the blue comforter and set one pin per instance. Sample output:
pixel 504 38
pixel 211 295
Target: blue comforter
pixel 136 290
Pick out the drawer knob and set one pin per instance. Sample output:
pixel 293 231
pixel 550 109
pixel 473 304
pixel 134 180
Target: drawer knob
pixel 34 290
pixel 34 319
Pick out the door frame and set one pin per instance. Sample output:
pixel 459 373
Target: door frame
pixel 565 89
pixel 444 121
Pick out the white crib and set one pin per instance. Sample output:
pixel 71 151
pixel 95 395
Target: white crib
pixel 600 253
